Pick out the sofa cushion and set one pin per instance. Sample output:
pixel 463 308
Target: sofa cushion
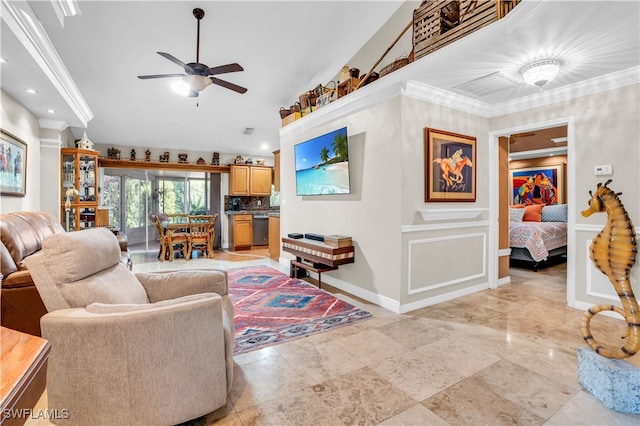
pixel 123 308
pixel 7 265
pixel 76 255
pixel 75 269
pixel 19 237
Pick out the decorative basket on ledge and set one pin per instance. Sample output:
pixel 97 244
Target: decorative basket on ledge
pixel 393 66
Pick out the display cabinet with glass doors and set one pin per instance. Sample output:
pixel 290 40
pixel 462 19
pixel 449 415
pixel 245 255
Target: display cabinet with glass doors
pixel 79 190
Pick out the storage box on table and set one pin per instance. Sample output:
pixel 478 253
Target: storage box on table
pixel 437 23
pixel 337 241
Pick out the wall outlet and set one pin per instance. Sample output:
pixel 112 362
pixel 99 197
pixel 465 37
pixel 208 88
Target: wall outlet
pixel 604 170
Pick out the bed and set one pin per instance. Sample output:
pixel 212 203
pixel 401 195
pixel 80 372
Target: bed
pixel 538 233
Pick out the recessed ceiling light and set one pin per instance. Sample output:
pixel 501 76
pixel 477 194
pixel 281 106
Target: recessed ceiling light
pixel 264 146
pixel 32 91
pixel 3 60
pixel 51 111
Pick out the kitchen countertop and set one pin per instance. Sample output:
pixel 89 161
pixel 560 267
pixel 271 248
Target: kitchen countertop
pixel 258 211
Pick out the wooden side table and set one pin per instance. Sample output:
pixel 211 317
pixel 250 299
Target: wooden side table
pixel 23 366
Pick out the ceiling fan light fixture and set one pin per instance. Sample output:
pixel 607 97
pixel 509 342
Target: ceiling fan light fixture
pixel 181 87
pixel 197 82
pixel 541 72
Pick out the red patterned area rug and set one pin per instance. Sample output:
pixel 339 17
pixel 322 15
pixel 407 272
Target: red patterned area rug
pixel 270 307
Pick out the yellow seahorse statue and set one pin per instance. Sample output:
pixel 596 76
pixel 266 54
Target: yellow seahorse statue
pixel 614 252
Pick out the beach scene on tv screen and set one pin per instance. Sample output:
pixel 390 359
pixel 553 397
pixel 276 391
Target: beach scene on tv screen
pixel 322 164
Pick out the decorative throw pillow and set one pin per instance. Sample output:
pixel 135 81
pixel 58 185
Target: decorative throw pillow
pixel 516 215
pixel 517 206
pixel 533 213
pixel 555 213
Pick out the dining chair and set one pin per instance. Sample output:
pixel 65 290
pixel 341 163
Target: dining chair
pixel 201 234
pixel 178 235
pixel 164 241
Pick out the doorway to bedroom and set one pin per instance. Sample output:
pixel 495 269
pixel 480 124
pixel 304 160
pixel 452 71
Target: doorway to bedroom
pixel 533 194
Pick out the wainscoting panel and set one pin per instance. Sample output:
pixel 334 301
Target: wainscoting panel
pixel 444 261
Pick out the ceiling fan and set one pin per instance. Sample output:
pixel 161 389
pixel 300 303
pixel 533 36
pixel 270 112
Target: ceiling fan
pixel 198 76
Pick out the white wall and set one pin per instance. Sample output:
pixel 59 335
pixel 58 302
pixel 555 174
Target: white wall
pixel 18 121
pixel 370 214
pixel 607 131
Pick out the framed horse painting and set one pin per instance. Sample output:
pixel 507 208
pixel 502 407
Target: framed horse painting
pixel 449 166
pixel 13 165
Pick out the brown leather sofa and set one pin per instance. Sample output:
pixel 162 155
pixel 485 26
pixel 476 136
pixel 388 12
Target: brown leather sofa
pixel 21 235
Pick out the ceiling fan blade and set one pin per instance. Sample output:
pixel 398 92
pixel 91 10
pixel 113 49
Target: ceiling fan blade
pixel 175 61
pixel 228 85
pixel 222 69
pixel 161 76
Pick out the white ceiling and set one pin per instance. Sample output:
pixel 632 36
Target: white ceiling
pixel 286 48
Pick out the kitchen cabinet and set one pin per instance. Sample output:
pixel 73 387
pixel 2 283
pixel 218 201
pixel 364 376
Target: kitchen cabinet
pixel 242 231
pixel 274 237
pixel 79 191
pixel 246 179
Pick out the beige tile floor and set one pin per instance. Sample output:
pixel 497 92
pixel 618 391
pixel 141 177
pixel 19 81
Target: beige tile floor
pixel 504 356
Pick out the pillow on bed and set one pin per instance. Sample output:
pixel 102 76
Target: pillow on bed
pixel 516 215
pixel 533 213
pixel 555 213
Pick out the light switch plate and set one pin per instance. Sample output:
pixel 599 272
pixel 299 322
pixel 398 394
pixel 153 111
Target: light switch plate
pixel 604 170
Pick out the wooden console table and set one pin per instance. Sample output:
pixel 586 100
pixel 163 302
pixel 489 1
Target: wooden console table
pixel 24 374
pixel 316 256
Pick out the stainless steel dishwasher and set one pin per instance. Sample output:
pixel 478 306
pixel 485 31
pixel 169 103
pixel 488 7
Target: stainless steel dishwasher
pixel 260 229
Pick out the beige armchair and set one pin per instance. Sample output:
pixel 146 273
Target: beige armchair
pixel 149 348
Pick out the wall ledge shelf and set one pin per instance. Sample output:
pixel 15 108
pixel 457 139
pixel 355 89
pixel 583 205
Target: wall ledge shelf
pixel 450 214
pixel 157 165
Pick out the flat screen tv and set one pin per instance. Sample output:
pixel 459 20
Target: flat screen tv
pixel 322 164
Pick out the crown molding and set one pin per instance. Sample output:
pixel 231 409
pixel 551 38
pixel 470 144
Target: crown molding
pixel 58 125
pixel 463 103
pixel 50 143
pixel 24 23
pixel 588 87
pixel 388 87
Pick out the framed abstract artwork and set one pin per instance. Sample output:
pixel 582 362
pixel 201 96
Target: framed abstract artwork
pixel 537 185
pixel 13 165
pixel 449 166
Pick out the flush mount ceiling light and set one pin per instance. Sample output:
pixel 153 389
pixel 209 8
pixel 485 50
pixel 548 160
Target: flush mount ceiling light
pixel 541 72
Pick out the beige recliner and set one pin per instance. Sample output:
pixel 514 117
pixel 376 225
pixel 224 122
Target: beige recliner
pixel 149 348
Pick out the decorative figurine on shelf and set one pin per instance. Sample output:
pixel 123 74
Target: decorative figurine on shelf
pixel 239 160
pixel 249 161
pixel 132 156
pixel 216 159
pixel 182 158
pixel 164 158
pixel 113 154
pixel 147 155
pixel 68 197
pixel 260 162
pixel 84 143
pixel 613 252
pixel 200 161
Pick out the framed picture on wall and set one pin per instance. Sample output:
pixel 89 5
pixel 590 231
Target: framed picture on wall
pixel 13 165
pixel 537 185
pixel 449 166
